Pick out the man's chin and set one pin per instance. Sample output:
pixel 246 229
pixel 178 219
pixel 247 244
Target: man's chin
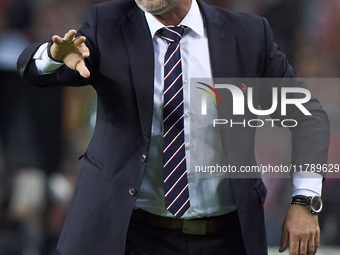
pixel 158 8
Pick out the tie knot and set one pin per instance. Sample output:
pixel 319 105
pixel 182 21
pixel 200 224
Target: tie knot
pixel 171 34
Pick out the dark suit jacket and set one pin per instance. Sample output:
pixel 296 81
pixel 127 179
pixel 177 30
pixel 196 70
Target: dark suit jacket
pixel 122 71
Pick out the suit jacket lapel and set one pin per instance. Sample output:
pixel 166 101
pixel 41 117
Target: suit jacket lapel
pixel 140 50
pixel 222 42
pixel 222 49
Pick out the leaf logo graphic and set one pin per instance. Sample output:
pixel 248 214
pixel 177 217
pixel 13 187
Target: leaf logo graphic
pixel 204 98
pixel 209 93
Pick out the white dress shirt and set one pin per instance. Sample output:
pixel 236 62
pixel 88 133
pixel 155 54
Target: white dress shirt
pixel 203 143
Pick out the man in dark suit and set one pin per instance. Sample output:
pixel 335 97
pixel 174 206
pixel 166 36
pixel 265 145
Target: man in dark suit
pixel 117 206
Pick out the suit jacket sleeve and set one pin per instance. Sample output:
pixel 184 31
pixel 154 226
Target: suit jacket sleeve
pixel 311 137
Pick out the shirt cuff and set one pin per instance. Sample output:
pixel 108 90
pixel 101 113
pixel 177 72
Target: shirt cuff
pixel 307 184
pixel 43 63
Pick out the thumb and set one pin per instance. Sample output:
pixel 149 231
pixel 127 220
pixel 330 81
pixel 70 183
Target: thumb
pixel 284 240
pixel 82 69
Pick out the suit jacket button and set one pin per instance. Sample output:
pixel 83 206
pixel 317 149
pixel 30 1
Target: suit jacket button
pixel 132 192
pixel 22 70
pixel 143 158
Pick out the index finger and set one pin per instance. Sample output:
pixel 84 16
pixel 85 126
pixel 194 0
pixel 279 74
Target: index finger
pixel 82 69
pixel 294 246
pixel 303 247
pixel 317 241
pixel 79 40
pixel 70 35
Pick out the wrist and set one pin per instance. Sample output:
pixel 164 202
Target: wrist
pixel 313 203
pixel 49 45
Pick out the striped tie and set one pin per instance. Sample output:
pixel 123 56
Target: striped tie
pixel 177 199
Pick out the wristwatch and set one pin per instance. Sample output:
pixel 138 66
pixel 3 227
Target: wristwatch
pixel 314 203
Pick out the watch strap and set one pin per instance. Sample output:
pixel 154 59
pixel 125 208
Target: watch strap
pixel 299 200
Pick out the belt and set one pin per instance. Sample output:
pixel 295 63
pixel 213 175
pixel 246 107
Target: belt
pixel 199 226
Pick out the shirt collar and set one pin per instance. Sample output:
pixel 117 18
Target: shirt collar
pixel 193 20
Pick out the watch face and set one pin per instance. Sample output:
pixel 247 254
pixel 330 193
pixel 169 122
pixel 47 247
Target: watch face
pixel 316 204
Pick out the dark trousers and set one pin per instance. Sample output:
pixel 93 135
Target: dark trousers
pixel 144 238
